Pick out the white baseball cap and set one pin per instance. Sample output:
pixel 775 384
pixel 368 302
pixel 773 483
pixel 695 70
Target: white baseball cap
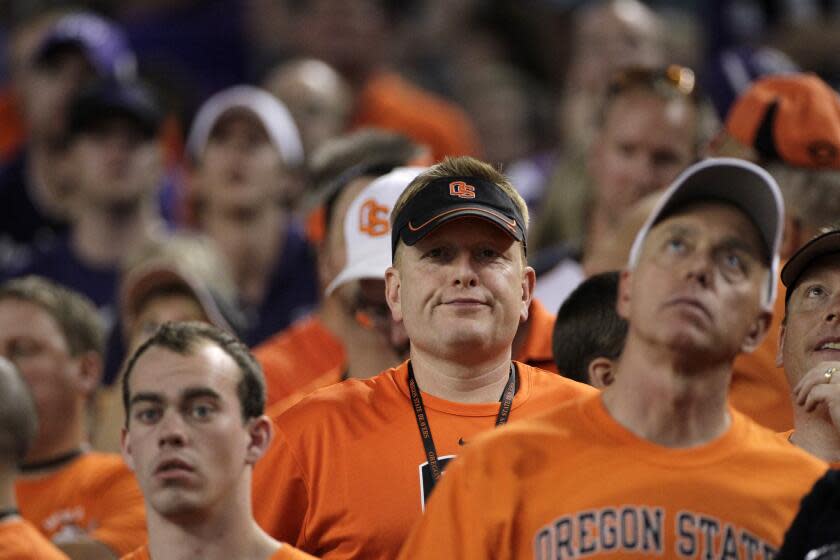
pixel 735 181
pixel 367 227
pixel 270 111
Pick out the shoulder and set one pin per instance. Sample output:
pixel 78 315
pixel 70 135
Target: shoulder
pixel 774 450
pixel 543 381
pixel 100 469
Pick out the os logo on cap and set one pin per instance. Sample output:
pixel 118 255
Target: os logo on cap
pixel 373 218
pixel 461 189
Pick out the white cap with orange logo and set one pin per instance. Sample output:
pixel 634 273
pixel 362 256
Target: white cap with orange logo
pixel 367 227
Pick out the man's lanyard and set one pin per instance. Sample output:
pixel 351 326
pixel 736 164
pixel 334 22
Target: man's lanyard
pixel 423 421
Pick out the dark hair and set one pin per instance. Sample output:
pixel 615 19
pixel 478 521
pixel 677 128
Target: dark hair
pixel 184 339
pixel 18 415
pixel 75 314
pixel 588 327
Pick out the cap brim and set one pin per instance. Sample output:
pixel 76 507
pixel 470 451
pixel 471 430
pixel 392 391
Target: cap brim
pixel 730 180
pixel 144 280
pixel 820 246
pixel 415 232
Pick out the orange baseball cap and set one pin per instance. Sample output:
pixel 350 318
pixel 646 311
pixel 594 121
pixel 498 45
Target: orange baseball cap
pixel 794 118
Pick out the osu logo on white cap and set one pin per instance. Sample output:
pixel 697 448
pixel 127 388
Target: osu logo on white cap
pixel 373 218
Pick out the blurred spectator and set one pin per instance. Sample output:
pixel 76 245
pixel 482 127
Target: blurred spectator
pixel 355 38
pixel 180 278
pixel 18 429
pixel 649 129
pixel 87 503
pixel 75 50
pixel 317 97
pixel 817 524
pixel 248 161
pixel 608 35
pixel 791 125
pixel 332 343
pixel 114 161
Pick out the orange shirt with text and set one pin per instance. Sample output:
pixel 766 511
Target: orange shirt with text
pixel 576 483
pixel 19 540
pixel 347 475
pixel 96 495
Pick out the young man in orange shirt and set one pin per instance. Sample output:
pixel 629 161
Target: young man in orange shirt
pixel 19 539
pixel 194 427
pixel 355 462
pixel 658 463
pixel 87 503
pixel 809 347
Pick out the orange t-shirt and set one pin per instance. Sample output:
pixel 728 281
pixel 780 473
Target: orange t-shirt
pixel 759 389
pixel 576 483
pixel 295 360
pixel 19 540
pixel 389 101
pixel 537 350
pixel 95 495
pixel 285 552
pixel 347 473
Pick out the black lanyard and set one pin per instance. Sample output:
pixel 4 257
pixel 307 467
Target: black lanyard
pixel 423 422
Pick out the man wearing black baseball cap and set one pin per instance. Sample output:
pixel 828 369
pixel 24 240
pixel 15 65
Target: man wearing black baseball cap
pixel 356 461
pixel 809 347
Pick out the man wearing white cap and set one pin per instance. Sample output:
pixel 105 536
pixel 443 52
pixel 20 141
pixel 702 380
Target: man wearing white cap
pixel 356 462
pixel 248 155
pixel 658 463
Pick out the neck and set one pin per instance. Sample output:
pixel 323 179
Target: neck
pixel 103 236
pixel 654 397
pixel 228 530
pixel 816 434
pixel 44 181
pixel 598 231
pixel 474 383
pixel 7 487
pixel 71 438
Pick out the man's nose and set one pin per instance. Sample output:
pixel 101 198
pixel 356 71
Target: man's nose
pixel 172 430
pixel 464 272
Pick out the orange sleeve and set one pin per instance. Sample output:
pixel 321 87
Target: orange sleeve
pixel 122 519
pixel 280 493
pixel 19 540
pixel 141 553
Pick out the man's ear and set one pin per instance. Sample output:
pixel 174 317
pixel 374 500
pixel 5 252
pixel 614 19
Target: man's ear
pixel 125 448
pixel 529 281
pixel 601 372
pixel 622 304
pixel 261 433
pixel 392 292
pixel 757 332
pixel 89 372
pixel 780 352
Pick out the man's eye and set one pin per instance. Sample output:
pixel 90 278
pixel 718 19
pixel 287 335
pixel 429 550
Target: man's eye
pixel 675 245
pixel 733 261
pixel 147 415
pixel 814 291
pixel 201 411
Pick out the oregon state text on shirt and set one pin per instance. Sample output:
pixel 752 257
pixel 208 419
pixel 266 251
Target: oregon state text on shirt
pixel 644 530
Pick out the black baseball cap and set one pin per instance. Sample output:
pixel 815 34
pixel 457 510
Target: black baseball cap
pixel 448 198
pixel 110 99
pixel 826 243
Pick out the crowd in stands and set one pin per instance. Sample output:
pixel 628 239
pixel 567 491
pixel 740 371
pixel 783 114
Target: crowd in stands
pixel 275 276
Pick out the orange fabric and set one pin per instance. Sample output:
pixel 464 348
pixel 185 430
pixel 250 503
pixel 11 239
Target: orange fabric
pixel 295 360
pixel 343 478
pixel 95 495
pixel 537 350
pixel 806 124
pixel 285 552
pixel 575 483
pixel 12 129
pixel 19 540
pixel 759 389
pixel 390 102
